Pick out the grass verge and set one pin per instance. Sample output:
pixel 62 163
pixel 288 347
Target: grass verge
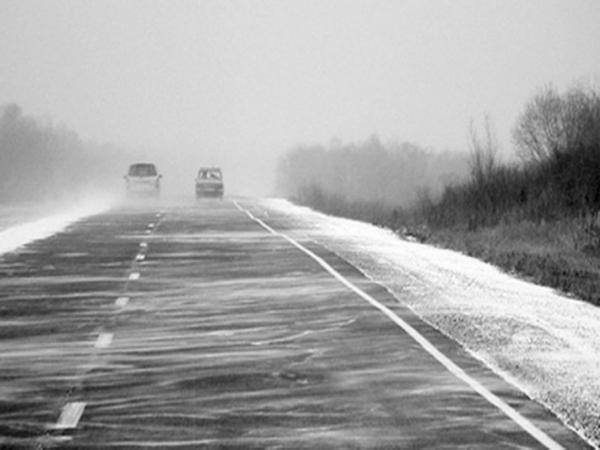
pixel 562 254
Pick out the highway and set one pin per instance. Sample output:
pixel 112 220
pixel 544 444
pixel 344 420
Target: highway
pixel 216 324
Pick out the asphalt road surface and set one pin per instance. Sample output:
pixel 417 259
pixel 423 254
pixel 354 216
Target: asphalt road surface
pixel 212 325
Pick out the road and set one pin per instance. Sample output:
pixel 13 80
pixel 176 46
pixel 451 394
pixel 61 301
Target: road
pixel 216 325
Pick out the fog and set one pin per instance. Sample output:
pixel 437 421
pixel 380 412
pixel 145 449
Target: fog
pixel 238 83
pixel 43 162
pixel 390 174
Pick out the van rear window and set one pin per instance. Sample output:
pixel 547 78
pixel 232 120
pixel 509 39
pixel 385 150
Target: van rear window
pixel 209 174
pixel 142 170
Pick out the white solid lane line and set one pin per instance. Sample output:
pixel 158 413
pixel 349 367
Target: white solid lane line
pixel 104 340
pixel 134 276
pixel 69 416
pixel 122 301
pixel 523 422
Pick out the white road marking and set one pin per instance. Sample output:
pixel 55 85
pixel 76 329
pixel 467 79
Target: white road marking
pixel 166 444
pixel 523 422
pixel 122 301
pixel 104 340
pixel 140 257
pixel 150 225
pixel 69 416
pixel 144 244
pixel 134 276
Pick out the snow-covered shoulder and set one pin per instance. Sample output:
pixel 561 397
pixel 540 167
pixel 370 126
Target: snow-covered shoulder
pixel 25 229
pixel 540 340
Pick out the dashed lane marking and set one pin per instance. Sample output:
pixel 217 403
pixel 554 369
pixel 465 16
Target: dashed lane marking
pixel 69 416
pixel 72 411
pixel 122 301
pixel 104 340
pixel 520 420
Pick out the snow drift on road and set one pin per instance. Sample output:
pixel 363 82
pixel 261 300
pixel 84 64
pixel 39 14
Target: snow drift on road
pixel 18 235
pixel 540 340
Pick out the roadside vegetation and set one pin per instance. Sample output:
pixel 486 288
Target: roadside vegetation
pixel 536 216
pixel 367 174
pixel 40 161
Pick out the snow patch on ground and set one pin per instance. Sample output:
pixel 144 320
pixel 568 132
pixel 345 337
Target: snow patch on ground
pixel 544 342
pixel 16 236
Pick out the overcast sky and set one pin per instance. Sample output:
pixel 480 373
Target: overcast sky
pixel 229 82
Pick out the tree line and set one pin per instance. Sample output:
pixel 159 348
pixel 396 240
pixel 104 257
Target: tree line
pixel 371 171
pixel 46 162
pixel 556 174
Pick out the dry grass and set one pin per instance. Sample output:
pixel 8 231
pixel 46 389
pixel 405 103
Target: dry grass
pixel 533 219
pixel 562 255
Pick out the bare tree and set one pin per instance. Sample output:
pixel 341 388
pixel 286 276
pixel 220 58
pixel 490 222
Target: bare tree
pixel 538 133
pixel 484 151
pixel 553 124
pixel 581 118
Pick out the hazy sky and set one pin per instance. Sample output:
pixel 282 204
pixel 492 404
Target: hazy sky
pixel 237 82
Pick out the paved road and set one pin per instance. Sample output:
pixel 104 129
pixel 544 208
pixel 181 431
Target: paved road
pixel 200 326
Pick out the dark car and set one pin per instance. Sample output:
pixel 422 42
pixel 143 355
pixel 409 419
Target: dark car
pixel 142 179
pixel 209 182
